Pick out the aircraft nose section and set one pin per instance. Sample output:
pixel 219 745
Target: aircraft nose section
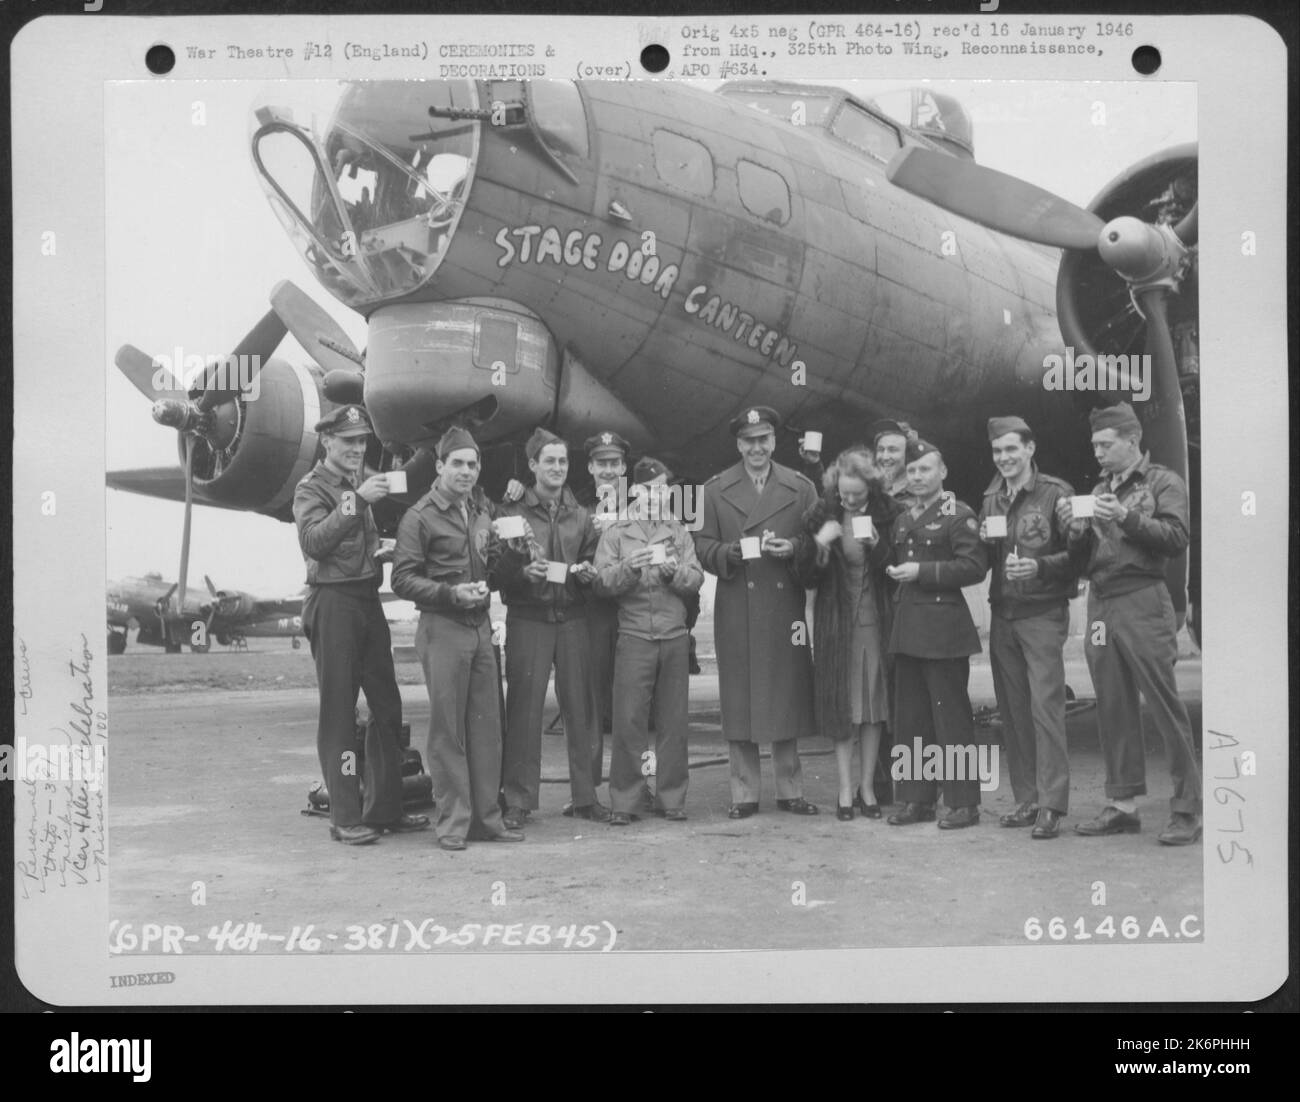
pixel 374 198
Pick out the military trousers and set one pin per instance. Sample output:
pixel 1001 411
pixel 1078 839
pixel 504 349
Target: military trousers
pixel 747 775
pixel 1131 648
pixel 932 704
pixel 646 672
pixel 1028 660
pixel 353 650
pixel 533 648
pixel 460 671
pixel 602 631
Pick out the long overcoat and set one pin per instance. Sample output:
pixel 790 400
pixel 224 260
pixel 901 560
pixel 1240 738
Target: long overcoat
pixel 761 639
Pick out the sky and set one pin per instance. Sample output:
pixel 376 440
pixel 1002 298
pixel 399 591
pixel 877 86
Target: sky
pixel 194 251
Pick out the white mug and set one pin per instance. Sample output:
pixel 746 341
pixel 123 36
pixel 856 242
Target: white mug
pixel 995 527
pixel 658 554
pixel 751 547
pixel 509 528
pixel 1083 506
pixel 812 441
pixel 557 571
pixel 396 482
pixel 863 528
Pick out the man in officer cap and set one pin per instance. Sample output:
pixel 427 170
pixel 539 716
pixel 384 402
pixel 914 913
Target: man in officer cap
pixel 751 530
pixel 344 622
pixel 441 564
pixel 607 457
pixel 935 551
pixel 1031 584
pixel 546 628
pixel 1140 522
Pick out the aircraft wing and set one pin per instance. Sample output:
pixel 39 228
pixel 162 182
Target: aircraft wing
pixel 167 483
pixel 284 606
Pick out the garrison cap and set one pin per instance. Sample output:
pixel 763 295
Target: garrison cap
pixel 454 439
pixel 606 444
pixel 1119 417
pixel 540 439
pixel 648 469
pixel 755 421
pixel 886 426
pixel 918 449
pixel 1000 426
pixel 346 421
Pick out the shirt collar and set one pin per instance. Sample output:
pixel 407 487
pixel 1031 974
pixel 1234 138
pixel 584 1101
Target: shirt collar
pixel 1139 467
pixel 329 474
pixel 999 483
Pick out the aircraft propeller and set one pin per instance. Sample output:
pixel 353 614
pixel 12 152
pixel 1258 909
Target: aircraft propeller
pixel 1153 259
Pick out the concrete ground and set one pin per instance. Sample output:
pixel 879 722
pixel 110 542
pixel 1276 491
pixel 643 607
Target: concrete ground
pixel 208 786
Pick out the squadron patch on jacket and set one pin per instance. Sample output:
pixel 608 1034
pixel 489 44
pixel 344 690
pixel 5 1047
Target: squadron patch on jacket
pixel 970 523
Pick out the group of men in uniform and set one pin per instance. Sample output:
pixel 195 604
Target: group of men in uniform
pixel 602 593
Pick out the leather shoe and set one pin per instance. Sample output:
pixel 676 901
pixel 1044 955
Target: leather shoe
pixel 1110 821
pixel 405 825
pixel 1047 825
pixel 866 810
pixel 675 814
pixel 742 811
pixel 1183 830
pixel 797 806
pixel 451 842
pixel 358 835
pixel 595 812
pixel 621 818
pixel 515 817
pixel 505 836
pixel 911 813
pixel 842 813
pixel 1026 814
pixel 960 817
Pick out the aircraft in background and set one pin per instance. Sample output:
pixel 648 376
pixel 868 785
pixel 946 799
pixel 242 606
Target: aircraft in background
pixel 231 617
pixel 649 258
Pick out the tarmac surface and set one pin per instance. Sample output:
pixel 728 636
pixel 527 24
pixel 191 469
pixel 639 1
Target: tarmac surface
pixel 209 786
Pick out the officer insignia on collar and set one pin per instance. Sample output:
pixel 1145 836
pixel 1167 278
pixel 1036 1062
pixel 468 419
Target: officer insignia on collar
pixel 933 527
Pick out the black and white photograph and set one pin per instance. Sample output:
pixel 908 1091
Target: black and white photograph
pixel 754 512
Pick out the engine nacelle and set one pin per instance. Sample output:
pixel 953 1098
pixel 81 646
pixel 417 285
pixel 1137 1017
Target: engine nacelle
pixel 263 446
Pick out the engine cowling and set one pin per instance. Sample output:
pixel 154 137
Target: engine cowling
pixel 260 447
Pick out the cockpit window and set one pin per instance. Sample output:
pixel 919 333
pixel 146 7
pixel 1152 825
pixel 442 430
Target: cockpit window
pixel 683 162
pixel 763 192
pixel 792 107
pixel 864 131
pixel 373 203
pixel 559 114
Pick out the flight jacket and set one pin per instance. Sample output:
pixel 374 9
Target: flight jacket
pixel 336 530
pixel 649 605
pixel 1121 558
pixel 573 538
pixel 1033 532
pixel 436 551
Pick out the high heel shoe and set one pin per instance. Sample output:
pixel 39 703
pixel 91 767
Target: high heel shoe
pixel 868 811
pixel 842 813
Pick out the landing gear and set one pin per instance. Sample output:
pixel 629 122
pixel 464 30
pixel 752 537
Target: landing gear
pixel 200 648
pixel 117 642
pixel 296 643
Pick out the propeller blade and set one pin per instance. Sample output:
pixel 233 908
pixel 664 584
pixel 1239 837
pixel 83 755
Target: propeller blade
pixel 1165 434
pixel 185 527
pixel 993 199
pixel 225 380
pixel 1187 229
pixel 211 588
pixel 142 372
pixel 321 337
